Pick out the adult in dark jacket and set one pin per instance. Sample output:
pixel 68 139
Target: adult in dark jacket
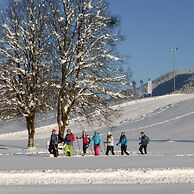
pixel 123 141
pixel 144 140
pixel 53 146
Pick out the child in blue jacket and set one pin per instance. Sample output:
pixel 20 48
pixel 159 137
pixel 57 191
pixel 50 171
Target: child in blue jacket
pixel 96 139
pixel 123 141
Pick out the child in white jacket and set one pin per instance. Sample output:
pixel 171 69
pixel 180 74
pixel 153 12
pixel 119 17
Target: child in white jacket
pixel 110 144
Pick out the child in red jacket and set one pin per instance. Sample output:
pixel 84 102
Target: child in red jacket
pixel 86 141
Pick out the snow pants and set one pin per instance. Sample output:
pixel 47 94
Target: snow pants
pixel 68 150
pixel 110 148
pixel 85 147
pixel 124 150
pixel 141 149
pixel 96 150
pixel 53 149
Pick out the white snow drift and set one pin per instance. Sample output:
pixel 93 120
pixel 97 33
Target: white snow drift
pixel 109 176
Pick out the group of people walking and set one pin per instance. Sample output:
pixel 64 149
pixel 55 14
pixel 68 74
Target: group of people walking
pixel 69 139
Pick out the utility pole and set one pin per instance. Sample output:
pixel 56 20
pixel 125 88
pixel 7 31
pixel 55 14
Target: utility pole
pixel 173 50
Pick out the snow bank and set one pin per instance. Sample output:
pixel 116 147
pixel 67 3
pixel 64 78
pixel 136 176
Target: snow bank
pixel 109 176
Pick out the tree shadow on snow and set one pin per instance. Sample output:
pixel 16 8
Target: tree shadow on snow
pixel 173 140
pixel 167 140
pixel 10 146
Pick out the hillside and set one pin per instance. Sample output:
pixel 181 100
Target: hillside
pixel 128 117
pixel 165 84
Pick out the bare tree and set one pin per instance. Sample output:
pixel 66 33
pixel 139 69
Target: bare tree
pixel 88 64
pixel 25 62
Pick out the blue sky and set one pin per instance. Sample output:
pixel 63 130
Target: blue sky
pixel 151 28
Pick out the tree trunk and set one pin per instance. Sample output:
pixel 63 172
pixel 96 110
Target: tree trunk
pixel 59 115
pixel 30 119
pixel 62 119
pixel 62 114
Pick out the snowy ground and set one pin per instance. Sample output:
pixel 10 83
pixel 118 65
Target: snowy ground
pixel 168 168
pixel 101 189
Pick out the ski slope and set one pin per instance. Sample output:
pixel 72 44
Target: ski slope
pixel 125 114
pixel 167 120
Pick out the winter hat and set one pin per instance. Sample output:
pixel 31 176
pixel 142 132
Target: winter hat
pixel 109 133
pixel 54 130
pixel 68 130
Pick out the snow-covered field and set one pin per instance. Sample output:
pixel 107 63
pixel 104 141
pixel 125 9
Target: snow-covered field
pixel 168 167
pixel 102 189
